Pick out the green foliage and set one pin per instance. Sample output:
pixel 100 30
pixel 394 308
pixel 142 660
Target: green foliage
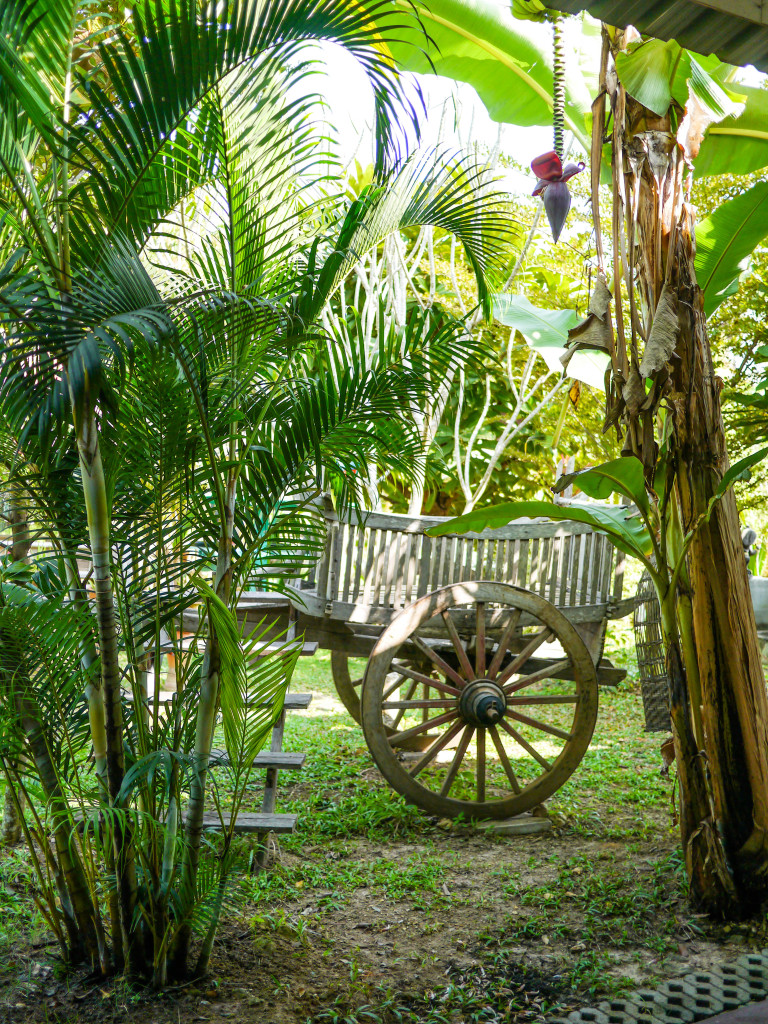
pixel 508 62
pixel 725 242
pixel 626 530
pixel 165 266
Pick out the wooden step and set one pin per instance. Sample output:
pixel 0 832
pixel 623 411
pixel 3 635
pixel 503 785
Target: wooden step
pixel 285 760
pixel 252 821
pixel 297 701
pixel 306 650
pixel 293 701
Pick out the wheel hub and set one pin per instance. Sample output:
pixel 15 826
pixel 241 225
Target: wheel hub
pixel 482 702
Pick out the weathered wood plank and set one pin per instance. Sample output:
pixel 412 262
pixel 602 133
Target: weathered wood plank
pixel 285 760
pixel 251 822
pixel 425 565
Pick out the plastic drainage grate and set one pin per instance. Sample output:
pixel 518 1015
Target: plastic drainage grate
pixel 694 997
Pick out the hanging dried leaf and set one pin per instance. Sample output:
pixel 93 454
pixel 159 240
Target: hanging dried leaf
pixel 594 332
pixel 614 403
pixel 633 393
pixel 575 393
pixel 664 333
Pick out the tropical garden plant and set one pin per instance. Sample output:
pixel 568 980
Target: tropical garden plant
pixel 171 404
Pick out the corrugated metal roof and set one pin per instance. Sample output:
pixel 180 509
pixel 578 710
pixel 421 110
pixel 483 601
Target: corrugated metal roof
pixel 738 35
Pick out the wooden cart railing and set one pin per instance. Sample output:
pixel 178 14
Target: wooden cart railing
pixel 377 564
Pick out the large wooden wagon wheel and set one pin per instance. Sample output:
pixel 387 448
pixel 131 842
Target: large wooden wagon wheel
pixel 348 686
pixel 514 707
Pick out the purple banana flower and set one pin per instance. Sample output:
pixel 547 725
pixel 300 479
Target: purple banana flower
pixel 551 186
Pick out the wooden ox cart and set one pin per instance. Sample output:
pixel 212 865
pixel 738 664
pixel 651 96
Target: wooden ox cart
pixel 484 652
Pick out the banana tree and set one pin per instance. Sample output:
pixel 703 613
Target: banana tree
pixel 657 103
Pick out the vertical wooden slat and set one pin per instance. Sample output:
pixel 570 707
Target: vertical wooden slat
pixel 374 584
pixel 348 557
pixel 411 552
pixel 491 546
pixel 371 536
pixel 597 551
pixel 453 554
pixel 331 582
pixel 533 571
pixel 618 575
pixel 563 597
pixel 588 554
pixel 608 555
pixel 555 552
pixel 573 592
pixel 363 536
pixel 389 568
pixel 465 573
pixel 428 552
pixel 501 564
pixel 479 556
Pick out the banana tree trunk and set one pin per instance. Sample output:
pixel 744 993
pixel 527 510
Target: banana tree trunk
pixel 718 694
pixel 735 709
pixel 95 493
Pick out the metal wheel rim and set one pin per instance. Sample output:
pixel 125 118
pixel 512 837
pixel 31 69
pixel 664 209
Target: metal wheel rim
pixel 583 685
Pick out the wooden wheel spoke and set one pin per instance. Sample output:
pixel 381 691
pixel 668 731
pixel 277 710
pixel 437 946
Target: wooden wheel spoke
pixel 422 727
pixel 357 682
pixel 526 745
pixel 448 671
pixel 480 641
pixel 506 764
pixel 405 670
pixel 525 654
pixel 547 672
pixel 458 757
pixel 534 723
pixel 431 753
pixel 408 695
pixel 391 689
pixel 392 705
pixel 480 766
pixel 458 646
pixel 560 698
pixel 504 641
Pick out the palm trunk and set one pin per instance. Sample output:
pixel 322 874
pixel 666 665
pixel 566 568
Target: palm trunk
pixel 206 722
pixel 21 542
pixel 95 492
pixel 720 711
pixel 81 904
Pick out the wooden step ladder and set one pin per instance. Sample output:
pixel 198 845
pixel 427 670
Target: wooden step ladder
pixel 274 760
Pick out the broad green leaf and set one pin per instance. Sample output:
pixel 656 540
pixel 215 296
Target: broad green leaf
pixel 620 476
pixel 739 471
pixel 546 331
pixel 624 529
pixel 506 60
pixel 725 241
pixel 717 101
pixel 647 73
pixel 738 145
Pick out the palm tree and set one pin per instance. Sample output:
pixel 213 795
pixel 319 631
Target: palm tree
pixel 169 240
